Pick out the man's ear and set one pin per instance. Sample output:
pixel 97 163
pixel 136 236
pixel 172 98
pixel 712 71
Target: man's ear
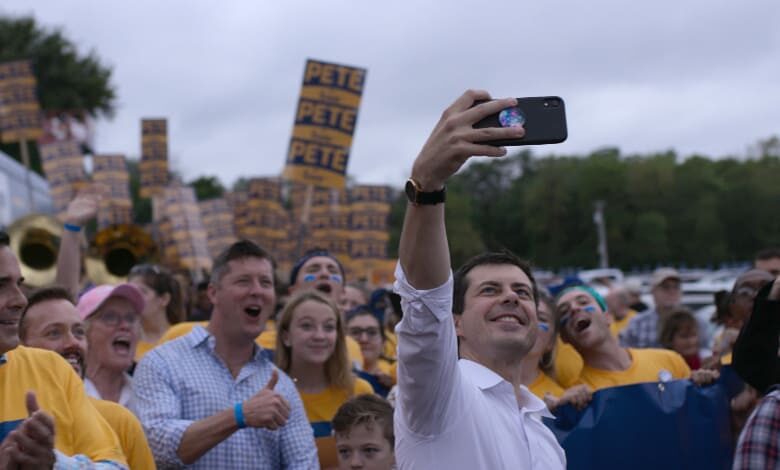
pixel 458 320
pixel 211 292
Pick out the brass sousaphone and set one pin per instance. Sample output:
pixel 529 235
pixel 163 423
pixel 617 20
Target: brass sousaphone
pixel 35 240
pixel 116 250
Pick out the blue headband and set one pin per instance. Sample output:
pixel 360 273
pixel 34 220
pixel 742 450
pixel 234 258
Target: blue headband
pixel 596 296
pixel 309 255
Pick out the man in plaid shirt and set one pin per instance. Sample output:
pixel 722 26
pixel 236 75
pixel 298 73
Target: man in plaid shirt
pixel 759 443
pixel 642 331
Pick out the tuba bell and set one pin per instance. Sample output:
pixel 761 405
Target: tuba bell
pixel 35 240
pixel 116 250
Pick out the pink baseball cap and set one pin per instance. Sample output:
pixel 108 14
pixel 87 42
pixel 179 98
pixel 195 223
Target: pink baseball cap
pixel 94 298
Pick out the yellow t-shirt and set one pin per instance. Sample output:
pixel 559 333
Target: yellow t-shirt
pixel 129 431
pixel 646 366
pixel 391 343
pixel 389 368
pixel 353 351
pixel 544 384
pixel 320 409
pixel 181 329
pixel 568 364
pixel 266 340
pixel 142 348
pixel 619 325
pixel 726 359
pixel 60 392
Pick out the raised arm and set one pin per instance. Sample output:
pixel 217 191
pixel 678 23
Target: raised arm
pixel 427 345
pixel 80 211
pixel 423 250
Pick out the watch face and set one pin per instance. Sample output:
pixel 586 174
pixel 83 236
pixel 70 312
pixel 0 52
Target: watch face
pixel 411 191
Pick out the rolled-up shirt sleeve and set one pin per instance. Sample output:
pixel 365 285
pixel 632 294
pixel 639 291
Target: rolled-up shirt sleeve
pixel 428 373
pixel 159 409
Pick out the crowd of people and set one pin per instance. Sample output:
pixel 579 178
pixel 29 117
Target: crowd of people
pixel 450 369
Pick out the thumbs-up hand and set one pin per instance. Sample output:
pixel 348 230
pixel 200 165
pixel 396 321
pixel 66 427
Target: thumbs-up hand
pixel 35 437
pixel 272 382
pixel 266 408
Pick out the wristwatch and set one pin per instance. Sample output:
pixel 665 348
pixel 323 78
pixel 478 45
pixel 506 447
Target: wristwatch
pixel 419 197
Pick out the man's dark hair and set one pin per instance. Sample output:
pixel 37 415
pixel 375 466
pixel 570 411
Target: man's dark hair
pixel 42 295
pixel 4 239
pixel 311 254
pixel 461 283
pixel 238 250
pixel 768 253
pixel 370 410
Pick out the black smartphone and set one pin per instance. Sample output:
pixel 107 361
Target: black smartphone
pixel 543 117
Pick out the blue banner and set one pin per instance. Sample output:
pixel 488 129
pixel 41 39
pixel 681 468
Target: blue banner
pixel 650 426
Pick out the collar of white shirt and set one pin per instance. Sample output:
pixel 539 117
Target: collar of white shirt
pixel 485 379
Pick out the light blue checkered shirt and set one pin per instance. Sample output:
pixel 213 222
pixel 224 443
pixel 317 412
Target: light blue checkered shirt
pixel 184 381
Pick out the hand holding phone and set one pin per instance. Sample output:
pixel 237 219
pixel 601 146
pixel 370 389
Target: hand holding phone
pixel 544 120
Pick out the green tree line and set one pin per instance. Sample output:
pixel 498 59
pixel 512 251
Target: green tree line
pixel 660 208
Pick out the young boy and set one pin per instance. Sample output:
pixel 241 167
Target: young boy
pixel 363 427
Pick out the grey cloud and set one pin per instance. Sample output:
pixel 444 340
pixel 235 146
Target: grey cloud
pixel 696 76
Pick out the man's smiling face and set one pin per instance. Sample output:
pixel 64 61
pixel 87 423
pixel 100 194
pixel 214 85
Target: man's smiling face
pixel 499 314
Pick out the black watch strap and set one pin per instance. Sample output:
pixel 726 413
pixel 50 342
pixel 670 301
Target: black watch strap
pixel 416 196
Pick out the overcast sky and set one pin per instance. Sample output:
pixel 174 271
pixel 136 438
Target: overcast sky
pixel 694 76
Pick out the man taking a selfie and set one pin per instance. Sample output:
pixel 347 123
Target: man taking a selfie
pixel 473 412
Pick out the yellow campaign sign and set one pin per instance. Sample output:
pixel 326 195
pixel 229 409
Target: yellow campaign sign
pixel 64 169
pixel 20 117
pixel 154 156
pixel 324 124
pixel 16 70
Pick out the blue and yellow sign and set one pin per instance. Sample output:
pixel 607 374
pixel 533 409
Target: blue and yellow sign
pixel 154 156
pixel 63 164
pixel 324 124
pixel 20 114
pixel 109 172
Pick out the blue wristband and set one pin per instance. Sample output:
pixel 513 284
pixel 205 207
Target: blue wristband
pixel 72 228
pixel 238 412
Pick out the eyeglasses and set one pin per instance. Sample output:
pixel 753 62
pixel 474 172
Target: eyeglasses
pixel 140 269
pixel 371 332
pixel 113 319
pixel 746 293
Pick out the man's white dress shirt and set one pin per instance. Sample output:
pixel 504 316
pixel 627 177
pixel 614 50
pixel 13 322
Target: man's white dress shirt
pixel 457 414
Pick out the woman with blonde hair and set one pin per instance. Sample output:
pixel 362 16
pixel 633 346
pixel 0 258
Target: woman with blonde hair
pixel 311 349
